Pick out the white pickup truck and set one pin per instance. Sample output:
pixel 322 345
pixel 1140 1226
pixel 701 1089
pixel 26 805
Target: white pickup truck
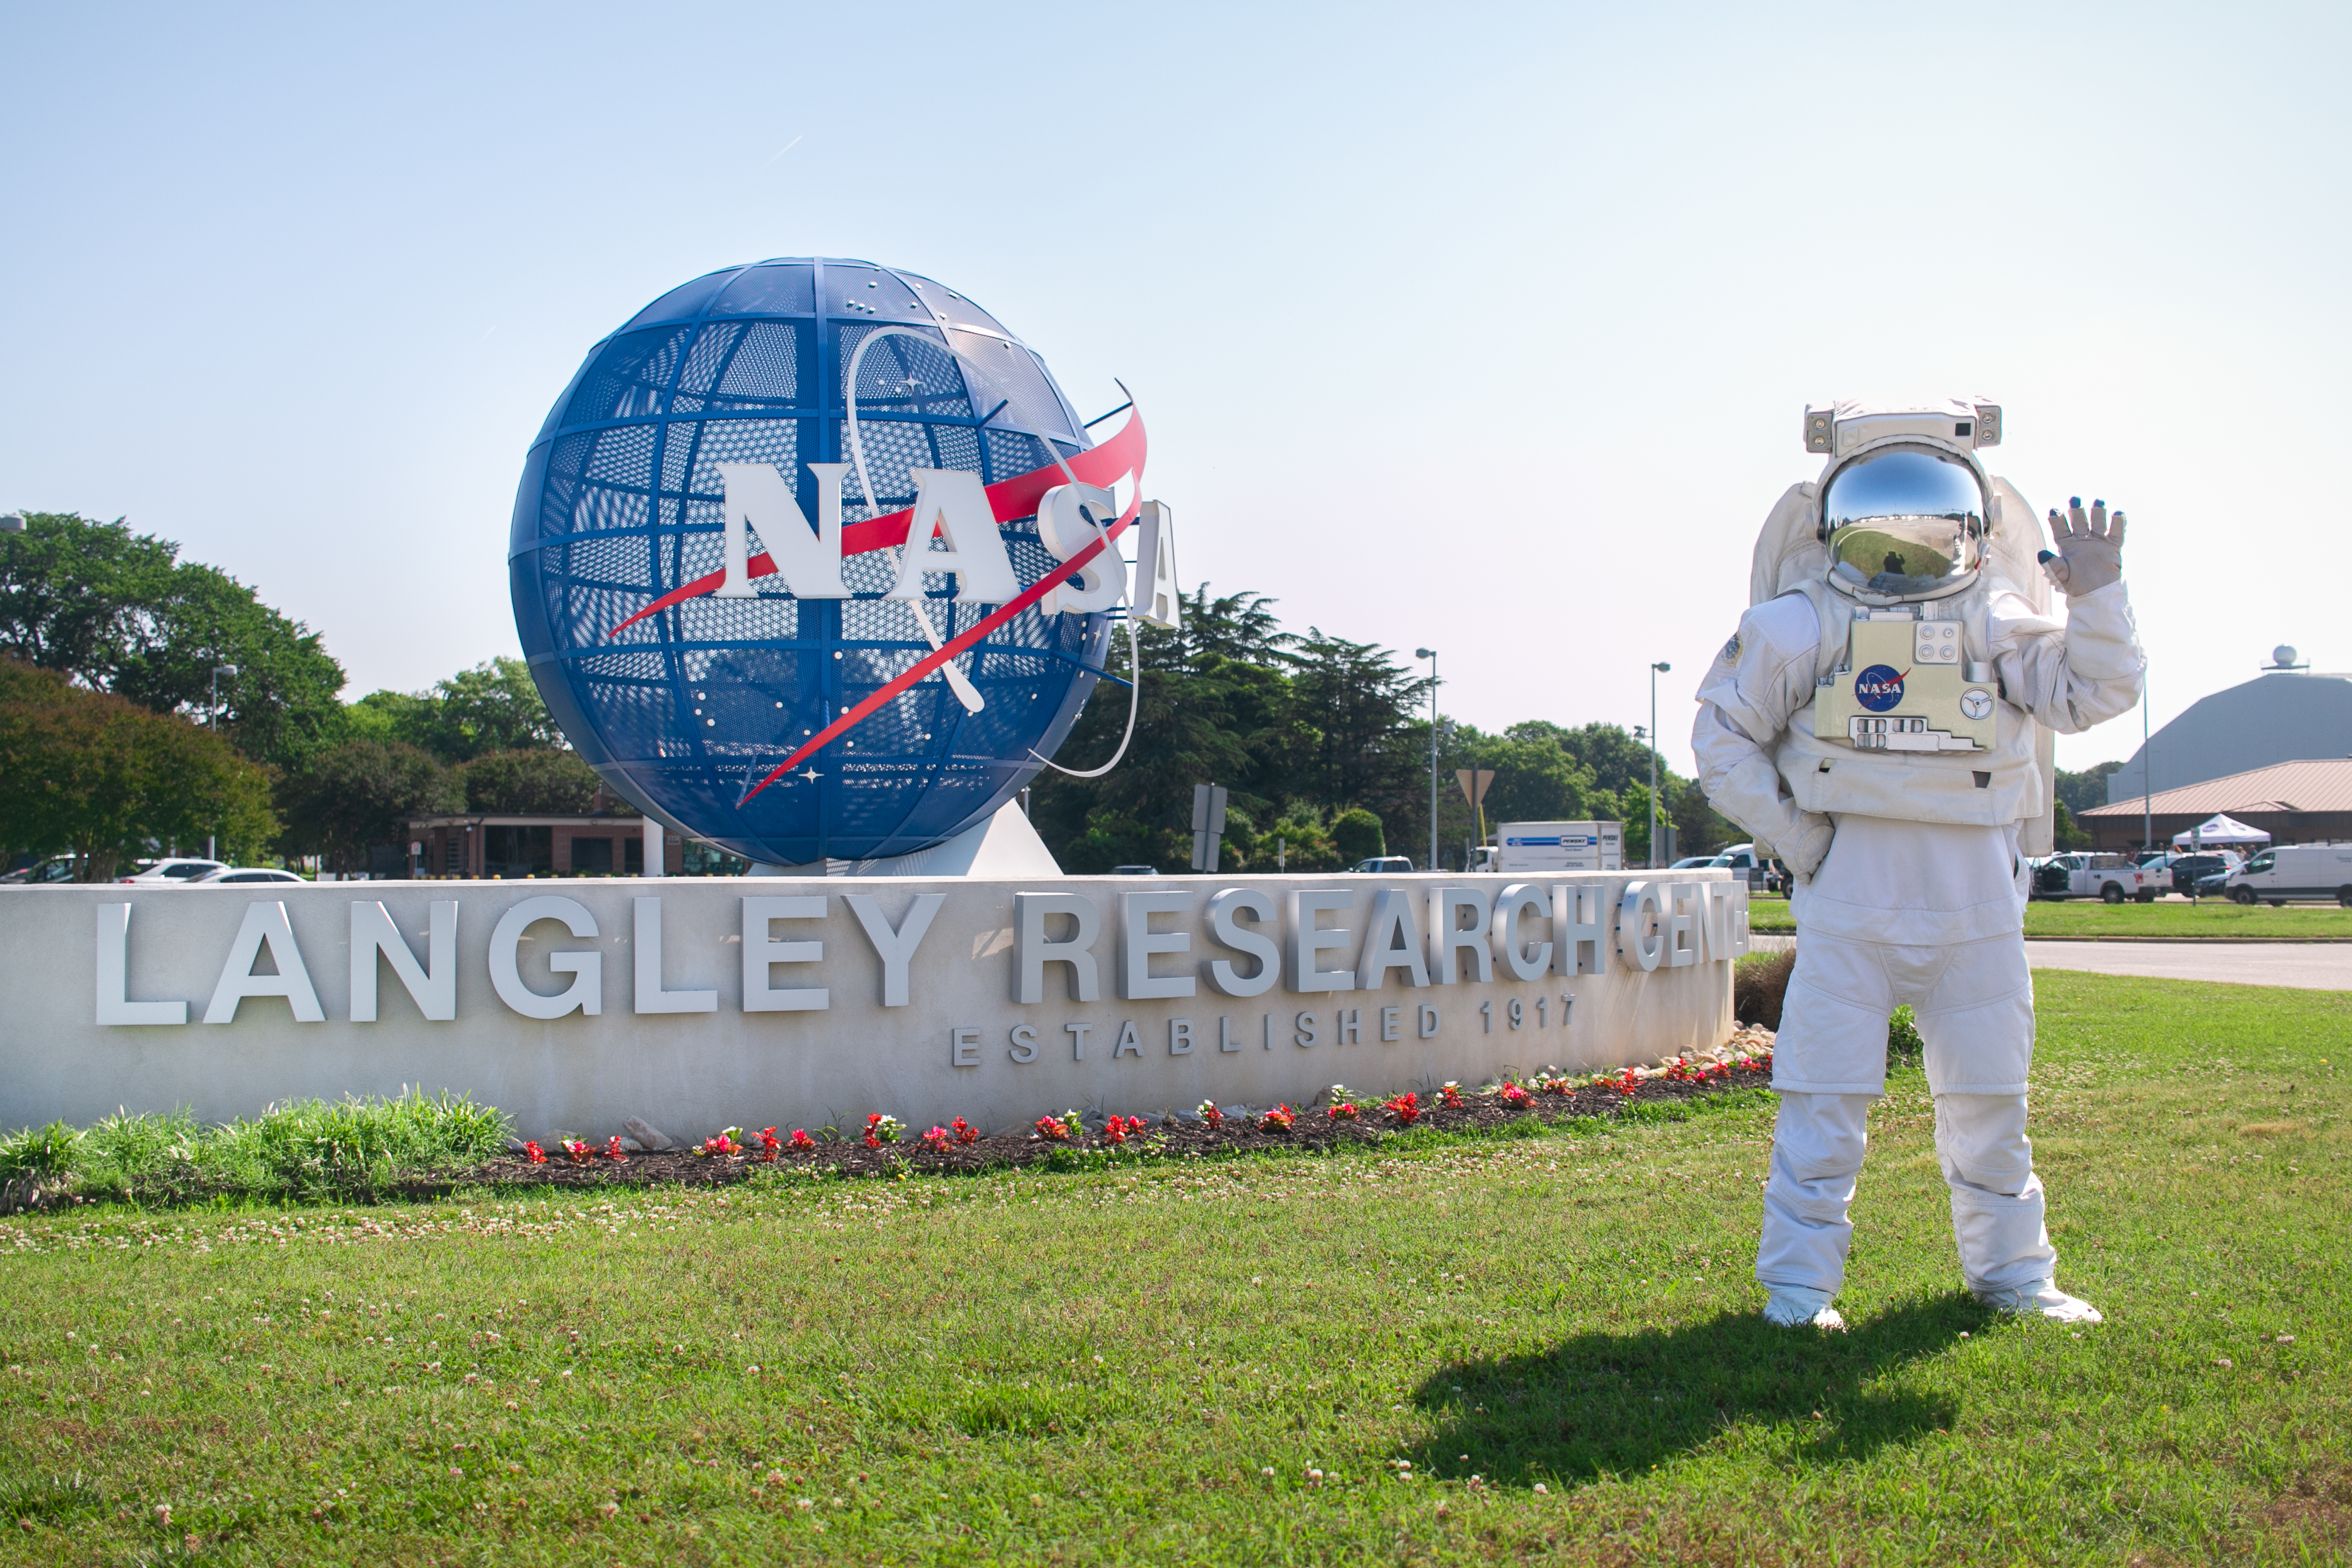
pixel 2083 875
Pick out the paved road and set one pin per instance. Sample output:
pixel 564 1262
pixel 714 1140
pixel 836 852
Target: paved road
pixel 2309 966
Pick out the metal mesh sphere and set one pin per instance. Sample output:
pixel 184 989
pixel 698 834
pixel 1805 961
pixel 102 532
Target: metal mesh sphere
pixel 687 711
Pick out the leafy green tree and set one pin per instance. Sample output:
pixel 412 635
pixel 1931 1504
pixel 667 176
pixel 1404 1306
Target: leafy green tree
pixel 104 778
pixel 534 783
pixel 360 794
pixel 1356 835
pixel 1304 842
pixel 1215 708
pixel 493 707
pixel 119 612
pixel 2066 832
pixel 1359 707
pixel 2082 792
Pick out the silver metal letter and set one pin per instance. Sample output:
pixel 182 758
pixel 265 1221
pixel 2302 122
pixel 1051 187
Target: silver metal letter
pixel 433 987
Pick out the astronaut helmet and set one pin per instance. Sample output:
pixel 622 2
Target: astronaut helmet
pixel 1906 506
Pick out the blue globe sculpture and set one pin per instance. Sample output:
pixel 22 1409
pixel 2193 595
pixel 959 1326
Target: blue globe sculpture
pixel 689 710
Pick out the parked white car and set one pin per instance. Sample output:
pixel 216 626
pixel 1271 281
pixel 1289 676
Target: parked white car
pixel 2081 875
pixel 174 870
pixel 2294 871
pixel 246 874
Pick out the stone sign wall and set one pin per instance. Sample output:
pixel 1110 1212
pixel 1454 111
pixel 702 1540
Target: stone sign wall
pixel 699 1003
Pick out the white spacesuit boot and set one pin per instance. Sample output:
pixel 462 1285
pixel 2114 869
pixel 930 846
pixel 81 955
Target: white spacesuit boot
pixel 2005 1254
pixel 1882 719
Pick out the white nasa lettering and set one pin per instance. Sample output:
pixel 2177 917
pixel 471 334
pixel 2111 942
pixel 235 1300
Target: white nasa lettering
pixel 951 504
pixel 1158 602
pixel 1065 527
pixel 758 496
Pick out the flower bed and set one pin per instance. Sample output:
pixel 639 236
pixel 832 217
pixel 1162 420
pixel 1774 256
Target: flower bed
pixel 1743 1062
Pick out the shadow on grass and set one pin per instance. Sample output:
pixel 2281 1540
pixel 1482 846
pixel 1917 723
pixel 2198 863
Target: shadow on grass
pixel 1602 1405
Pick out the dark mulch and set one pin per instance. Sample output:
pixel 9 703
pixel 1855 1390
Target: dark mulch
pixel 1164 1139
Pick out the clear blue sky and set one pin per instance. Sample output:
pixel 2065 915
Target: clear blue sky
pixel 1486 328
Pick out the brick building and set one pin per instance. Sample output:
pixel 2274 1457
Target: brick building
pixel 2307 802
pixel 473 844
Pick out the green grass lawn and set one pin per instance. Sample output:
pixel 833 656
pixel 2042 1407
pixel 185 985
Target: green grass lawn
pixel 2088 917
pixel 1557 1332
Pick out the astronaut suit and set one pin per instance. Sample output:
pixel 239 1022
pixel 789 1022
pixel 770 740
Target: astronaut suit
pixel 1882 720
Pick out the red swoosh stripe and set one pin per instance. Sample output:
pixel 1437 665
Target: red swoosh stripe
pixel 1007 498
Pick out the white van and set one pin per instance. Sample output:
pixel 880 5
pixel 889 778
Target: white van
pixel 2294 871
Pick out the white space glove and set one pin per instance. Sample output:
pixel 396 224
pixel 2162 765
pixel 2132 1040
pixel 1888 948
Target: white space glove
pixel 2090 554
pixel 1804 850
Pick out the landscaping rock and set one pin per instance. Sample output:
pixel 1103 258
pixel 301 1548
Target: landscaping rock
pixel 652 1142
pixel 631 1146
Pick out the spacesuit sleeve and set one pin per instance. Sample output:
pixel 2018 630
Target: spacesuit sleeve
pixel 1759 679
pixel 2073 674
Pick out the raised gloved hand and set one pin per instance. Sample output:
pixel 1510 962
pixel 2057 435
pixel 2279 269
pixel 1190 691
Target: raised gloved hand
pixel 1804 850
pixel 2090 553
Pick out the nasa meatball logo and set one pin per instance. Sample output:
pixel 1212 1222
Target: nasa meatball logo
pixel 1879 687
pixel 805 560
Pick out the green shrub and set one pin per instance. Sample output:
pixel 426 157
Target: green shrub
pixel 1760 982
pixel 1357 834
pixel 305 1146
pixel 48 1152
pixel 1903 1042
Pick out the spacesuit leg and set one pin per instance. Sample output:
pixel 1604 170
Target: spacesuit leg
pixel 1829 1062
pixel 1977 1026
pixel 1817 1147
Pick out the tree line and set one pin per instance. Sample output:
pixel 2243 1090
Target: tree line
pixel 1324 747
pixel 114 749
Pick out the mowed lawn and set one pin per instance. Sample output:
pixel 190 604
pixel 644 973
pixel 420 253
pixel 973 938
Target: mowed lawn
pixel 2163 920
pixel 1238 1362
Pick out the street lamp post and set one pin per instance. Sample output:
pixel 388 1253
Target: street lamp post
pixel 1431 654
pixel 2147 785
pixel 1655 670
pixel 212 840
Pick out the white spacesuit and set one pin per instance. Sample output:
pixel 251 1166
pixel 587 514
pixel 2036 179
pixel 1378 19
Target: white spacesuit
pixel 1882 719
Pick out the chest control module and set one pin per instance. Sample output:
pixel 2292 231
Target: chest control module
pixel 1906 685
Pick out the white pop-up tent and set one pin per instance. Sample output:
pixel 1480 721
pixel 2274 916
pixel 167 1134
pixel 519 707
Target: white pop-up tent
pixel 2222 831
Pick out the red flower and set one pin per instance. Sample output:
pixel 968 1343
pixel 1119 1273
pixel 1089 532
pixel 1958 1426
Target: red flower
pixel 1281 1116
pixel 965 1133
pixel 1051 1127
pixel 614 1151
pixel 1513 1095
pixel 534 1154
pixel 1210 1114
pixel 768 1143
pixel 1405 1107
pixel 581 1152
pixel 937 1137
pixel 1343 1111
pixel 1453 1093
pixel 802 1142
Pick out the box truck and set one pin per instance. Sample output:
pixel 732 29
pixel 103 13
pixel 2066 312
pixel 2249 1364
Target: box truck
pixel 1535 847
